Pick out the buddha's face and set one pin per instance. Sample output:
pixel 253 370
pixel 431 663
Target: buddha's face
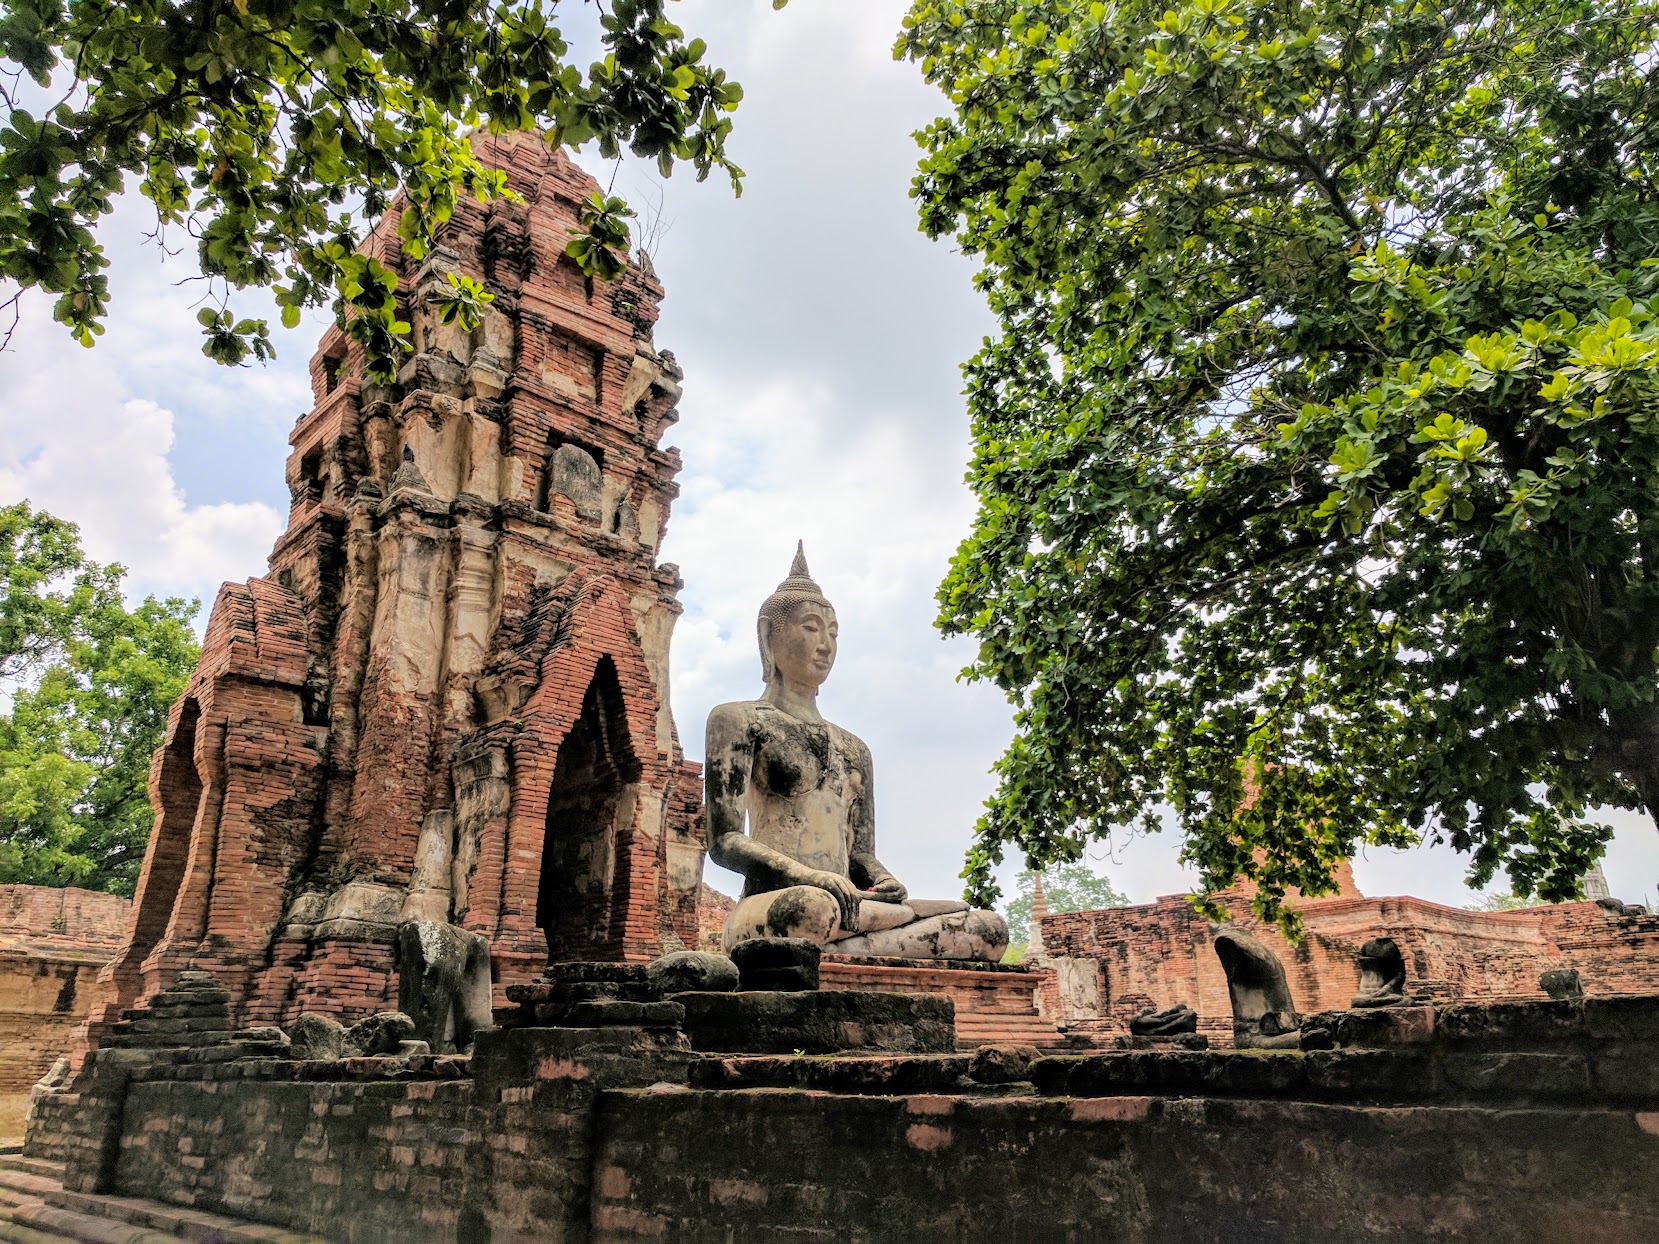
pixel 803 644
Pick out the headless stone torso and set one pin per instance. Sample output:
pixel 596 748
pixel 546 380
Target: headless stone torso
pixel 790 803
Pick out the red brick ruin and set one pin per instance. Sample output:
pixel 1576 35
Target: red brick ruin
pixel 1099 968
pixel 52 944
pixel 448 698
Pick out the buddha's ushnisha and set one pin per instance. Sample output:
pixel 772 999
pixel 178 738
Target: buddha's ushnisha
pixel 791 806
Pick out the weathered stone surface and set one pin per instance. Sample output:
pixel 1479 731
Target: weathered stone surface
pixel 684 970
pixel 1368 1029
pixel 317 1037
pixel 1513 1025
pixel 1184 1071
pixel 163 1024
pixel 549 1001
pixel 372 1160
pixel 567 1132
pixel 1168 1022
pixel 443 983
pixel 1627 1074
pixel 208 999
pixel 265 1036
pixel 787 964
pixel 1622 1019
pixel 818 1022
pixel 575 474
pixel 1561 984
pixel 1382 974
pixel 577 970
pixel 575 1064
pixel 861 1073
pixel 379 1034
pixel 1176 1041
pixel 1264 1015
pixel 1529 1076
pixel 610 1013
pixel 1002 1064
pixel 1374 1075
pixel 1118 1168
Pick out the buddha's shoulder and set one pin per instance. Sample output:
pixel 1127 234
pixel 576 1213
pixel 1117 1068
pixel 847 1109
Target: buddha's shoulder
pixel 740 715
pixel 851 743
pixel 738 709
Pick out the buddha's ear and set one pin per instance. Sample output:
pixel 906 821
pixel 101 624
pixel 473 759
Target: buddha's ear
pixel 763 630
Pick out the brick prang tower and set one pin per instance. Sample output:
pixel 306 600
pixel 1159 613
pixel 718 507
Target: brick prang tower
pixel 448 699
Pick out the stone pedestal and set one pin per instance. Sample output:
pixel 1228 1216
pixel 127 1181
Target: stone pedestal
pixel 822 1022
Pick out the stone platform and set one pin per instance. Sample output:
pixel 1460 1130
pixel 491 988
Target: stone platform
pixel 814 1021
pixel 1528 1122
pixel 819 1022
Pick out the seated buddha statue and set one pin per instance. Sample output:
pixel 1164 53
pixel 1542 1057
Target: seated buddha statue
pixel 790 800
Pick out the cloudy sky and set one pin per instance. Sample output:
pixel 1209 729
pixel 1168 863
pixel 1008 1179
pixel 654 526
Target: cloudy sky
pixel 821 335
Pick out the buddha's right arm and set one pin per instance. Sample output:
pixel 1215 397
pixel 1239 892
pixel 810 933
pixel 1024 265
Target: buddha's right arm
pixel 728 760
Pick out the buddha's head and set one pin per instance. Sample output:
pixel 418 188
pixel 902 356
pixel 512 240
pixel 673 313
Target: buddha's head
pixel 797 630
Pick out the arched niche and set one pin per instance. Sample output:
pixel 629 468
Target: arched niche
pixel 178 798
pixel 591 800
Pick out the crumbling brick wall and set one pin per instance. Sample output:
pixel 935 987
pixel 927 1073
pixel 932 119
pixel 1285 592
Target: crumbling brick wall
pixel 1162 953
pixel 52 944
pixel 713 908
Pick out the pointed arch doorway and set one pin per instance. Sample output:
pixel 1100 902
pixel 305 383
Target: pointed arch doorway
pixel 590 805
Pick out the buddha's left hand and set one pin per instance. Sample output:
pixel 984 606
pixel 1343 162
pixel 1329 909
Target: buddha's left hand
pixel 887 890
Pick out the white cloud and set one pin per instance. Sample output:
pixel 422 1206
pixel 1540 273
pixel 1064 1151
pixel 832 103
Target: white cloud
pixel 73 444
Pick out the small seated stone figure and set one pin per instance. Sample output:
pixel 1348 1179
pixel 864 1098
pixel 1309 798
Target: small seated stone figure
pixel 1562 984
pixel 443 983
pixel 804 788
pixel 1172 1021
pixel 1264 1016
pixel 1382 974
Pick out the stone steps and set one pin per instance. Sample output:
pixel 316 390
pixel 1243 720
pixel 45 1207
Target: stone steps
pixel 38 1167
pixel 36 1209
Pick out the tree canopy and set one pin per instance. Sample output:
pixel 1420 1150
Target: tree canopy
pixel 89 685
pixel 273 132
pixel 1317 450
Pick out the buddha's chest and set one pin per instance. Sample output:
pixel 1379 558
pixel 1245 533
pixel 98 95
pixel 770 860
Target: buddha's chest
pixel 795 760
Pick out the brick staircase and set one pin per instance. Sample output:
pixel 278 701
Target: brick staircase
pixel 35 1209
pixel 995 1004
